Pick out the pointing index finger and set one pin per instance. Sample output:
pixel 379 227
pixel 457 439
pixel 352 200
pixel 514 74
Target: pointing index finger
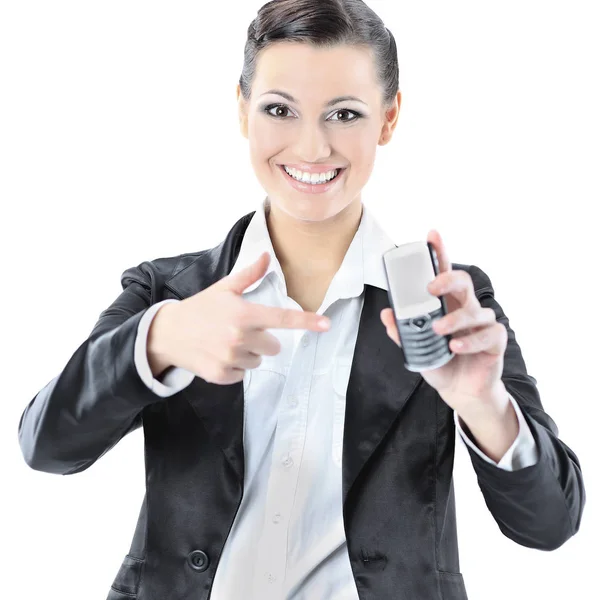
pixel 274 317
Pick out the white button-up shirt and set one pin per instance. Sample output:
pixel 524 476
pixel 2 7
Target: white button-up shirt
pixel 287 540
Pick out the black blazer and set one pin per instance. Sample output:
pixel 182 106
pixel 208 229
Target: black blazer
pixel 398 451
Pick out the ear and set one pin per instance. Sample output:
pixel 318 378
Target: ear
pixel 242 112
pixel 390 120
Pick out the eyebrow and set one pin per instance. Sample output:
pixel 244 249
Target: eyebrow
pixel 291 98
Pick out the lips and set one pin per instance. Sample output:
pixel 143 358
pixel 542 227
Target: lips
pixel 311 189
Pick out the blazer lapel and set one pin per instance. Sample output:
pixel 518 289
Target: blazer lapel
pixel 378 388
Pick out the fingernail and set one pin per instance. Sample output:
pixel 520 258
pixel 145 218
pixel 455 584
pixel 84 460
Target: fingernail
pixel 324 323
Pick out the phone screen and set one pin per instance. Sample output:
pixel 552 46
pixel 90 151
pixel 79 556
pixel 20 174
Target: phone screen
pixel 409 270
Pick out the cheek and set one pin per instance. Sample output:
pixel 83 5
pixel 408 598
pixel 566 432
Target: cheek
pixel 359 151
pixel 357 145
pixel 264 140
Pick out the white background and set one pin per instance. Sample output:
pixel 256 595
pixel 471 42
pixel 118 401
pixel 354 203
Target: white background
pixel 119 143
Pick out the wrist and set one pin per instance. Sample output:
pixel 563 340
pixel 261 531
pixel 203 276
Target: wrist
pixel 490 405
pixel 158 341
pixel 493 428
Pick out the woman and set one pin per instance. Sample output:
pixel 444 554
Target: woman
pixel 303 462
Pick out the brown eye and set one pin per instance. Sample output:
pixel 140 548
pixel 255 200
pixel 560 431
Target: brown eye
pixel 280 110
pixel 346 111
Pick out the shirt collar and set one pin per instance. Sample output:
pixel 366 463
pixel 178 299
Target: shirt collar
pixel 362 264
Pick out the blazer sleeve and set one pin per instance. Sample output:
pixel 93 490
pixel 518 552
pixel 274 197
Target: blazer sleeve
pixel 523 451
pixel 173 379
pixel 539 506
pixel 98 397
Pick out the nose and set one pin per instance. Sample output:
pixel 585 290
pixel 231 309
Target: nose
pixel 313 143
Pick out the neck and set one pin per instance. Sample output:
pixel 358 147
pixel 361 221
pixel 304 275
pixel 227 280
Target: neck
pixel 312 249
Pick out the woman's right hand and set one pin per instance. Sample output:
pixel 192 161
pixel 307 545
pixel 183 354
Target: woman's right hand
pixel 217 335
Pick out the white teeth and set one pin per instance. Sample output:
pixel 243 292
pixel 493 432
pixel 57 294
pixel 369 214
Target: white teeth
pixel 313 178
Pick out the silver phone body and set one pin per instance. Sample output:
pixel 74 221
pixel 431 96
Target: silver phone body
pixel 409 268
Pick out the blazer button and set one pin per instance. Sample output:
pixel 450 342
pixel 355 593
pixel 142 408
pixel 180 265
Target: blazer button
pixel 198 560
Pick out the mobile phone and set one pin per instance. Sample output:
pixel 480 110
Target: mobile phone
pixel 409 268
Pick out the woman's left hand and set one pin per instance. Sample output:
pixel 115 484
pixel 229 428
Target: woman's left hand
pixel 473 375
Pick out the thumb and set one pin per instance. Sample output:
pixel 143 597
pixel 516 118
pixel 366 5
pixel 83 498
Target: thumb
pixel 239 281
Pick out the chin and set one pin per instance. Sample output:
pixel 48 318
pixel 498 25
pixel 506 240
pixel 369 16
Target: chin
pixel 309 210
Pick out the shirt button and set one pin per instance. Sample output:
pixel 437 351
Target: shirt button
pixel 292 401
pixel 276 518
pixel 287 461
pixel 305 340
pixel 271 577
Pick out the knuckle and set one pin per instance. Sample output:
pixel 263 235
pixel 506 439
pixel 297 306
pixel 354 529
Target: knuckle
pixel 491 314
pixel 286 318
pixel 234 335
pixel 484 336
pixel 221 373
pixel 454 276
pixel 241 312
pixel 473 301
pixel 283 318
pixel 215 373
pixel 436 281
pixel 229 357
pixel 464 317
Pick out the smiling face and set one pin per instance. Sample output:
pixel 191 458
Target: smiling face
pixel 296 117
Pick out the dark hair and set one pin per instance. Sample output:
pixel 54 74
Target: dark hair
pixel 323 23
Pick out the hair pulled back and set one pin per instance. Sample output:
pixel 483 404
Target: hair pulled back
pixel 323 23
